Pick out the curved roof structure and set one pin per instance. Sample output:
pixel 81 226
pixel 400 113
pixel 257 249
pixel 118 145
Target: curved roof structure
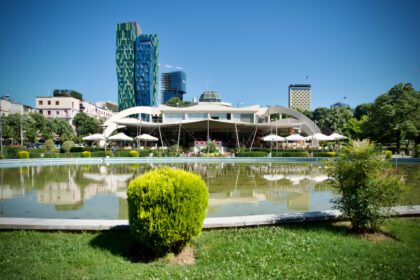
pixel 212 116
pixel 210 96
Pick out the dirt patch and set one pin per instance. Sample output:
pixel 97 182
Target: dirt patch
pixel 379 236
pixel 186 256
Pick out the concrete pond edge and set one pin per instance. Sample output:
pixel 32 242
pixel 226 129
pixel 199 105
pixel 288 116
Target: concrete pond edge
pixel 209 223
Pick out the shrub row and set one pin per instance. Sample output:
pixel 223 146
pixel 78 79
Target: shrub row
pixel 290 154
pixel 252 154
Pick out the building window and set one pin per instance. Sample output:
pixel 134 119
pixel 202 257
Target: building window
pixel 49 102
pixel 57 113
pixel 40 111
pixel 40 102
pixel 49 113
pixel 57 102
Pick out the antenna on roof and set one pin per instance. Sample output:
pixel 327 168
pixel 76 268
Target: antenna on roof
pixel 307 78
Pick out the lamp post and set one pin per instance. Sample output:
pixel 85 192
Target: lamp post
pixel 1 125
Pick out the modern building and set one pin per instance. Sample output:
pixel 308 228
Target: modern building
pixel 137 66
pixel 67 107
pixel 146 70
pixel 8 107
pixel 210 119
pixel 300 96
pixel 173 85
pixel 340 105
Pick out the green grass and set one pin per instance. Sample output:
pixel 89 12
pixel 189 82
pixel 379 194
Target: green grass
pixel 311 251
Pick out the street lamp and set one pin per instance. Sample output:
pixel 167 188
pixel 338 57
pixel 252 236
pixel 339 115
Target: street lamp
pixel 1 125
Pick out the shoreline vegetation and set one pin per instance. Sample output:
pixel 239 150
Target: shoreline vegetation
pixel 322 250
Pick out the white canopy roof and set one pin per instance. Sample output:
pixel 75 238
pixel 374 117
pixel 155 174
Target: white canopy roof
pixel 120 137
pixel 273 138
pixel 295 137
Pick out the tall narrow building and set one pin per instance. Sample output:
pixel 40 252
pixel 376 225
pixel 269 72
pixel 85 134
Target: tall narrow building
pixel 173 85
pixel 147 70
pixel 300 96
pixel 137 67
pixel 125 53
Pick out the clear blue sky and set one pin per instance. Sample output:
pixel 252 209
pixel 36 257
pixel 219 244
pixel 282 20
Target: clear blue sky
pixel 249 50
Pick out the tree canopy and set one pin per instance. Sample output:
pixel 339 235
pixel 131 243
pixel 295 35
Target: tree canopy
pixel 86 125
pixel 177 102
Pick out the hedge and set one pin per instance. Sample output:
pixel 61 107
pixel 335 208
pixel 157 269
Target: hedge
pixel 252 154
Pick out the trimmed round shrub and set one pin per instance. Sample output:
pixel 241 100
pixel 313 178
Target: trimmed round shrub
pixel 167 208
pixel 86 154
pixel 388 154
pixel 331 154
pixel 23 154
pixel 134 154
pixel 49 146
pixel 68 145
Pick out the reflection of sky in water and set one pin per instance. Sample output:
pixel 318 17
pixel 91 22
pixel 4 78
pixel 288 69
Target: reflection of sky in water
pixel 99 191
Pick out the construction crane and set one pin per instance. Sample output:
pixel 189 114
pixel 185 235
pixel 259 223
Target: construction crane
pixel 170 66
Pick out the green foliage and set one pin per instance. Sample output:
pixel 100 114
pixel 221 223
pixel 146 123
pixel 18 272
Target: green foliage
pixel 49 146
pixel 394 116
pixel 98 154
pixel 367 184
pixel 323 154
pixel 60 127
pixel 109 153
pixel 331 154
pixel 388 154
pixel 86 154
pixel 68 145
pixel 167 208
pixel 354 128
pixel 86 125
pixel 68 92
pixel 12 151
pixel 362 110
pixel 134 153
pixel 417 151
pixel 177 102
pixel 289 154
pixel 210 148
pixel 23 154
pixel 252 154
pixel 144 153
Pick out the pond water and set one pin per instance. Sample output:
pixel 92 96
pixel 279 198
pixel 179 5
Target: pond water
pixel 235 189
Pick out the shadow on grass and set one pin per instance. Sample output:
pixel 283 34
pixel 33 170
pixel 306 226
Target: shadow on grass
pixel 123 244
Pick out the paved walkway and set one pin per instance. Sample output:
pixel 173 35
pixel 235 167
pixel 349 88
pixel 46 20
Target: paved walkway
pixel 209 223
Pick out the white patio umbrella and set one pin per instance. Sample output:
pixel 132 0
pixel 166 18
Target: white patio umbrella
pixel 120 137
pixel 273 138
pixel 146 137
pixel 319 137
pixel 295 137
pixel 96 137
pixel 337 136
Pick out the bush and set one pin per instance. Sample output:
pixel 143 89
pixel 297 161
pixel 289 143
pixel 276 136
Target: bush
pixel 76 149
pixel 323 154
pixel 86 154
pixel 68 145
pixel 23 154
pixel 49 146
pixel 167 208
pixel 144 153
pixel 388 154
pixel 417 151
pixel 109 154
pixel 367 184
pixel 12 151
pixel 98 154
pixel 290 154
pixel 134 153
pixel 252 154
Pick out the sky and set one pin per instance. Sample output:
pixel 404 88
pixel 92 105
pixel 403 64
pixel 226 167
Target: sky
pixel 247 51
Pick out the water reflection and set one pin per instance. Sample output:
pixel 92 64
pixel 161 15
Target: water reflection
pixel 99 191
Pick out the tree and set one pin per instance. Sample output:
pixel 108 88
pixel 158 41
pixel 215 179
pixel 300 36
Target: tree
pixel 61 127
pixel 307 113
pixel 177 102
pixel 369 187
pixel 319 115
pixel 354 128
pixel 86 125
pixel 336 118
pixel 362 110
pixel 395 116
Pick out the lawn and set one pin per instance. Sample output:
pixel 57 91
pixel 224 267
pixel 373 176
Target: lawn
pixel 308 251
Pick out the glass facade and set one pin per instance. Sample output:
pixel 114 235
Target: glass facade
pixel 137 67
pixel 173 85
pixel 146 70
pixel 125 49
pixel 173 117
pixel 197 116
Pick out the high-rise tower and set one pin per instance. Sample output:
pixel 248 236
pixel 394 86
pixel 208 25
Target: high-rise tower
pixel 137 67
pixel 146 69
pixel 126 39
pixel 300 96
pixel 173 85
